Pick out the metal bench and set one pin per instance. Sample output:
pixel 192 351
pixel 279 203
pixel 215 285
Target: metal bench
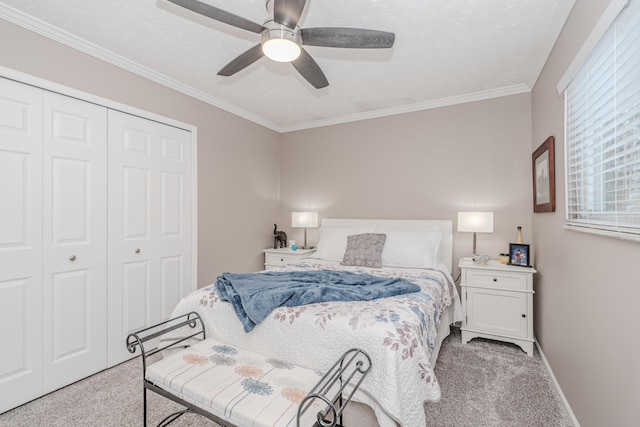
pixel 241 388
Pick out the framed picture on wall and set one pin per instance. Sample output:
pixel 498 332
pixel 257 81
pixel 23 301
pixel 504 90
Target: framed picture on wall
pixel 544 177
pixel 519 254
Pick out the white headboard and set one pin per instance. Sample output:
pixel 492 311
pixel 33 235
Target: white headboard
pixel 445 226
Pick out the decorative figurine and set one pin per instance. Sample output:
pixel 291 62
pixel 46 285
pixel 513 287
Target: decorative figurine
pixel 280 238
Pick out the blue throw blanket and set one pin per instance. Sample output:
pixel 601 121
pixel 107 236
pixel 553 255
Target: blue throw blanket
pixel 255 296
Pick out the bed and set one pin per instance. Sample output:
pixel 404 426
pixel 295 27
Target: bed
pixel 401 333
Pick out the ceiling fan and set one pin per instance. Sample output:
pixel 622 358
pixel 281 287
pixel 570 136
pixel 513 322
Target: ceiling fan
pixel 282 38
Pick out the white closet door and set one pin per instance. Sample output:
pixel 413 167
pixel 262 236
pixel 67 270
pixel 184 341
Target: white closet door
pixel 149 224
pixel 173 235
pixel 20 243
pixel 74 239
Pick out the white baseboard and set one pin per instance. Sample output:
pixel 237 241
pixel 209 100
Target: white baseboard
pixel 558 389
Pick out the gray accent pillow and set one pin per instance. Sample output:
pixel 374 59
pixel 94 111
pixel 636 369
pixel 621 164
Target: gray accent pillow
pixel 364 250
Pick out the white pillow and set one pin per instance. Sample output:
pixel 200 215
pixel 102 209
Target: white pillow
pixel 333 241
pixel 417 249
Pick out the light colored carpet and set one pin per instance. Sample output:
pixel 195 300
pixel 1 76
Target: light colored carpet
pixel 493 384
pixel 484 383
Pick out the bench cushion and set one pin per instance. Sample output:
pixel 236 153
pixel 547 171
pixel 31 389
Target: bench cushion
pixel 237 385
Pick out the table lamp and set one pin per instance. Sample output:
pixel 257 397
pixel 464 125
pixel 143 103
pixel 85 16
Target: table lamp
pixel 475 222
pixel 304 220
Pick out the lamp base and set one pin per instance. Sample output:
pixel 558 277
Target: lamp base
pixel 305 239
pixel 474 242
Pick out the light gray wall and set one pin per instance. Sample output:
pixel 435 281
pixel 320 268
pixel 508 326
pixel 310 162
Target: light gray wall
pixel 587 291
pixel 238 163
pixel 424 165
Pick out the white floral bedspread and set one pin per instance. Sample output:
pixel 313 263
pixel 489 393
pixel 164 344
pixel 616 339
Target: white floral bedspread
pixel 398 333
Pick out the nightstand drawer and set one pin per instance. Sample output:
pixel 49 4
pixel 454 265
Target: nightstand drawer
pixel 280 260
pixel 495 279
pixel 275 258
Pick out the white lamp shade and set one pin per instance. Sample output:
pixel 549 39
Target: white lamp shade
pixel 304 219
pixel 475 222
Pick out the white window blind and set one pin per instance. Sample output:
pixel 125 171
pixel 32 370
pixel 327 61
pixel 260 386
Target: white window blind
pixel 602 133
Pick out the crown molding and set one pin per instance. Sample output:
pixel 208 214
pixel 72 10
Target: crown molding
pixel 410 108
pixel 556 23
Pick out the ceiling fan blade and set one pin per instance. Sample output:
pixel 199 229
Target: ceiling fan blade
pixel 288 12
pixel 219 15
pixel 310 70
pixel 347 38
pixel 242 61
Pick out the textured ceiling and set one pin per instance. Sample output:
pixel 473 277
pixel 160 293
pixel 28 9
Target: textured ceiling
pixel 446 52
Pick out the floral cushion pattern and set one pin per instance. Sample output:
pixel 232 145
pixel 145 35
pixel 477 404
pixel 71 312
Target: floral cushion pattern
pixel 244 387
pixel 364 250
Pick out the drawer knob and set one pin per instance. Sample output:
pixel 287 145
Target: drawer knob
pixel 72 258
pixel 282 259
pixel 137 250
pixel 495 279
pixel 524 315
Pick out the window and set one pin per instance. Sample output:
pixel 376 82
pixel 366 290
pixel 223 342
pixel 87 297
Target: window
pixel 602 133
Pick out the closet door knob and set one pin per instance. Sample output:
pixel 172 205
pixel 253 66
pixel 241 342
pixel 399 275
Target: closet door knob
pixel 524 315
pixel 137 250
pixel 72 258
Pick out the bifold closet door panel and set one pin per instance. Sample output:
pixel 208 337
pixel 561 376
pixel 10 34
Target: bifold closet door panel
pixel 74 240
pixel 174 233
pixel 20 243
pixel 149 224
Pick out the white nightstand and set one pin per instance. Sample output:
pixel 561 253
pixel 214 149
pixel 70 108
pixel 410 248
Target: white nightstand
pixel 274 258
pixel 498 302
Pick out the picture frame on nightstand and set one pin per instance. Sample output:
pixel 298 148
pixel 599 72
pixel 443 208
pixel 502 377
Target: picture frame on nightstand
pixel 519 255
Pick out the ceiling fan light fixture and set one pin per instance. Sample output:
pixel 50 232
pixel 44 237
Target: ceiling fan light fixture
pixel 281 44
pixel 281 37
